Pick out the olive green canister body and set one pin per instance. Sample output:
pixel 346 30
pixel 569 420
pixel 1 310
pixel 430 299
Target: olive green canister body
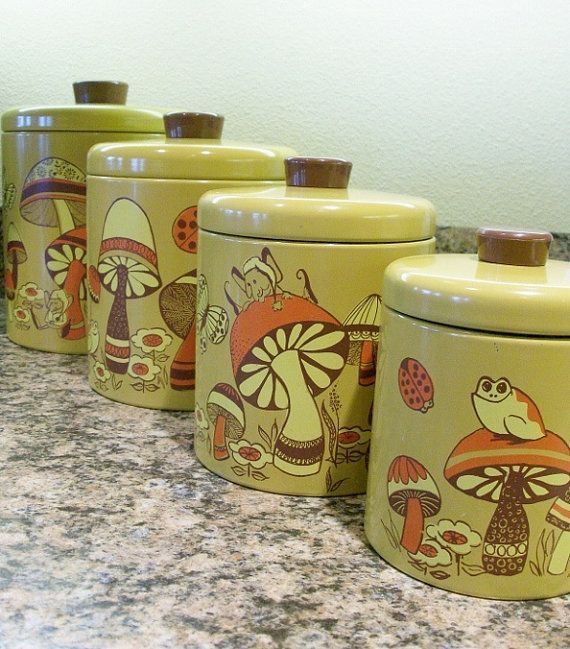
pixel 469 482
pixel 142 254
pixel 284 393
pixel 44 153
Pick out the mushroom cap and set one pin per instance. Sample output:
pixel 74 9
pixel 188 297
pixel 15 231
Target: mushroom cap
pixel 128 242
pixel 481 463
pixel 224 400
pixel 185 230
pixel 53 179
pixel 407 478
pixel 260 333
pixel 15 246
pixel 559 514
pixel 68 247
pixel 363 322
pixel 177 303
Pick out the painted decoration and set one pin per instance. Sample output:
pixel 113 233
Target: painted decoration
pixel 416 386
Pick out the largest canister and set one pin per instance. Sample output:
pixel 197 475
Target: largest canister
pixel 142 254
pixel 44 151
pixel 284 398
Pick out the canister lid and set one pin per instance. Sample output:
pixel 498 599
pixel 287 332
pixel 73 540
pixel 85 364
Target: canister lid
pixel 509 286
pixel 192 149
pixel 99 108
pixel 317 205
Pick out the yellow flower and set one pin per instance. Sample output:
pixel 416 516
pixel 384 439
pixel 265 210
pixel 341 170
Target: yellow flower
pixel 245 452
pixel 93 337
pixel 22 315
pixel 151 340
pixel 458 537
pixel 142 368
pixel 31 292
pixel 432 554
pixel 101 372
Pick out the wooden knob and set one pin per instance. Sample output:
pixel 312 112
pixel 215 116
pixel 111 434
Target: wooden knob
pixel 513 247
pixel 100 92
pixel 317 172
pixel 206 126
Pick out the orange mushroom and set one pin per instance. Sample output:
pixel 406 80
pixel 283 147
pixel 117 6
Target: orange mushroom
pixel 282 359
pixel 15 255
pixel 225 411
pixel 363 327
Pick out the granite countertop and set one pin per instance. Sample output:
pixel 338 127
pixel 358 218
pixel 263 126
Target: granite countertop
pixel 113 536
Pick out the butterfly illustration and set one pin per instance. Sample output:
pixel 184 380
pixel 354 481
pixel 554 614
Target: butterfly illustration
pixel 212 320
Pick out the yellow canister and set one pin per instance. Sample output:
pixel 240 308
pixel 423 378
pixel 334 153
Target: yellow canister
pixel 469 484
pixel 142 253
pixel 284 391
pixel 44 151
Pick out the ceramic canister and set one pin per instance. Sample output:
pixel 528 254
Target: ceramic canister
pixel 284 396
pixel 469 485
pixel 142 254
pixel 44 152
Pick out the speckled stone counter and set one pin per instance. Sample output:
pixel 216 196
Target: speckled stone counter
pixel 113 536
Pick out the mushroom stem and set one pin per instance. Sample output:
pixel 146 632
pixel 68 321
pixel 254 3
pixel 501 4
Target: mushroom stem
pixel 300 445
pixel 183 368
pixel 74 329
pixel 64 217
pixel 14 261
pixel 220 448
pixel 413 526
pixel 505 547
pixel 367 367
pixel 560 554
pixel 117 340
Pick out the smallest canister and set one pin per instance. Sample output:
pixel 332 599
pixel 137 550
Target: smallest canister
pixel 283 401
pixel 469 485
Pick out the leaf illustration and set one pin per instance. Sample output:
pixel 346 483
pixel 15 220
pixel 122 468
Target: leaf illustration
pixel 274 434
pixel 473 569
pixel 534 569
pixel 328 480
pixel 337 484
pixel 264 436
pixel 393 539
pixel 354 456
pixel 257 475
pixel 418 566
pixel 139 387
pixel 119 383
pixel 239 470
pixel 162 358
pixel 332 431
pixel 439 574
pixel 549 544
pixel 151 387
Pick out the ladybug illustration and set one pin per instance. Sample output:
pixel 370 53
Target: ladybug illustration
pixel 185 230
pixel 415 385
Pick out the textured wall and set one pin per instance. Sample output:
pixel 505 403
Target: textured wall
pixel 463 102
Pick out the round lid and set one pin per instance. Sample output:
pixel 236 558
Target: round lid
pixel 508 287
pixel 192 149
pixel 99 108
pixel 317 205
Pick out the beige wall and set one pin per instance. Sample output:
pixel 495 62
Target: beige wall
pixel 463 102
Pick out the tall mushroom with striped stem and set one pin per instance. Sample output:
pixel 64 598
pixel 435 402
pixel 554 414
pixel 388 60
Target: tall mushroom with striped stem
pixel 15 255
pixel 53 195
pixel 177 303
pixel 559 516
pixel 225 411
pixel 511 474
pixel 65 261
pixel 363 327
pixel 413 494
pixel 128 270
pixel 283 359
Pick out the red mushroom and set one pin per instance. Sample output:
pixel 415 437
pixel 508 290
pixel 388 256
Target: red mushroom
pixel 512 475
pixel 177 303
pixel 225 411
pixel 363 327
pixel 128 270
pixel 65 261
pixel 282 359
pixel 412 493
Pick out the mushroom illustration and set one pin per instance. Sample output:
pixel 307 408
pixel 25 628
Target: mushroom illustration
pixel 94 284
pixel 363 327
pixel 283 359
pixel 185 230
pixel 512 475
pixel 413 494
pixel 177 303
pixel 15 255
pixel 54 195
pixel 559 516
pixel 65 261
pixel 225 411
pixel 128 270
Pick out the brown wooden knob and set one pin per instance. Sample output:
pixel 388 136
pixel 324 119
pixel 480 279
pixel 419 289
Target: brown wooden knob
pixel 207 126
pixel 317 172
pixel 100 92
pixel 513 247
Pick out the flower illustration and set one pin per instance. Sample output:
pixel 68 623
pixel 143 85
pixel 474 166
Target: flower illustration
pixel 142 368
pixel 57 304
pixel 151 340
pixel 457 537
pixel 31 293
pixel 22 315
pixel 93 337
pixel 246 453
pixel 101 372
pixel 201 419
pixel 431 554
